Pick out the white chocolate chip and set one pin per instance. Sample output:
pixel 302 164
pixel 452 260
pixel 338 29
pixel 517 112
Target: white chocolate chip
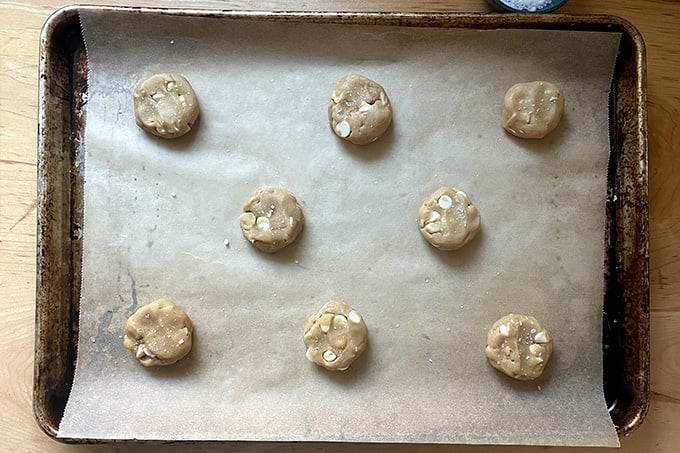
pixel 247 220
pixel 343 129
pixel 339 322
pixel 309 355
pixel 157 96
pixel 325 322
pixel 541 337
pixel 171 86
pixel 431 228
pixel 329 356
pixel 354 316
pixel 262 223
pixel 365 107
pixel 445 202
pixel 142 351
pixel 503 330
pixel 434 216
pixel 536 349
pixel 182 99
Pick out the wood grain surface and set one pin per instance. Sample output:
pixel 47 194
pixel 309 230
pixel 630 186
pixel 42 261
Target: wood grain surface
pixel 20 23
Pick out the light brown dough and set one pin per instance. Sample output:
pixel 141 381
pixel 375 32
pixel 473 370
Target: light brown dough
pixel 271 219
pixel 359 110
pixel 532 109
pixel 447 219
pixel 158 333
pixel 518 346
pixel 166 105
pixel 335 336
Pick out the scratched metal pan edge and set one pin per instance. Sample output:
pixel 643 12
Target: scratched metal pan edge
pixel 61 123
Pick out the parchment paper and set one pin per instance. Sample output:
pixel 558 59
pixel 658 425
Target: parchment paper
pixel 157 213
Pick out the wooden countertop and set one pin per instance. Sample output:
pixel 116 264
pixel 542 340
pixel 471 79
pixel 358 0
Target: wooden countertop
pixel 659 22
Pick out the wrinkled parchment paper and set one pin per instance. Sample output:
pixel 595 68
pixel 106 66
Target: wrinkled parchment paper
pixel 158 212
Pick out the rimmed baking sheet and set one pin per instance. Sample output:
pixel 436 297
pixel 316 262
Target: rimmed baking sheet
pixel 392 21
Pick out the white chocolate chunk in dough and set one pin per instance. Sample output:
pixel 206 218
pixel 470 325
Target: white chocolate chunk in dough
pixel 262 223
pixel 355 317
pixel 445 202
pixel 329 356
pixel 247 220
pixel 365 107
pixel 541 337
pixel 343 129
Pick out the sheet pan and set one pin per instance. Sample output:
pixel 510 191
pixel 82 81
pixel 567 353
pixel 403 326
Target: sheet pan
pixel 626 207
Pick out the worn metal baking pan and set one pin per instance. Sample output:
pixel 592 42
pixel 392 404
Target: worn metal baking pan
pixel 63 95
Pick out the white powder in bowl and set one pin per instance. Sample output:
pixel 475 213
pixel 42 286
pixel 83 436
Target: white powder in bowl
pixel 527 5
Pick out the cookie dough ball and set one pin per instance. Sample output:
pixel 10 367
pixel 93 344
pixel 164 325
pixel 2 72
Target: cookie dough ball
pixel 336 336
pixel 359 110
pixel 519 347
pixel 448 220
pixel 271 219
pixel 166 105
pixel 532 109
pixel 158 333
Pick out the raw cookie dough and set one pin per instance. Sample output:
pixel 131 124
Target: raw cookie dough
pixel 532 109
pixel 359 110
pixel 271 219
pixel 165 105
pixel 519 347
pixel 447 219
pixel 335 336
pixel 158 333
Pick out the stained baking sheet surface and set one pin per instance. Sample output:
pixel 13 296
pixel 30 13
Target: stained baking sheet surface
pixel 157 214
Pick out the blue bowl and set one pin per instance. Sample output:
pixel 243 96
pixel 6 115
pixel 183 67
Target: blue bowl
pixel 550 6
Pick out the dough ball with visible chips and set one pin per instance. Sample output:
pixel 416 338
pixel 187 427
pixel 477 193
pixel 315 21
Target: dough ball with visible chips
pixel 166 105
pixel 532 109
pixel 447 219
pixel 158 333
pixel 271 219
pixel 519 346
pixel 359 110
pixel 336 336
